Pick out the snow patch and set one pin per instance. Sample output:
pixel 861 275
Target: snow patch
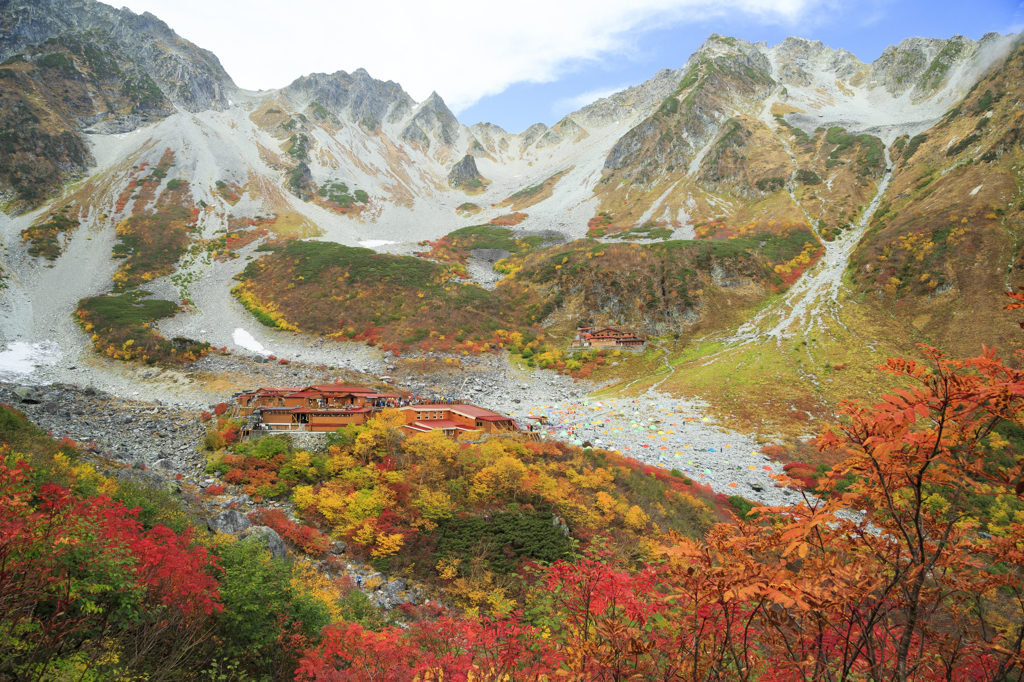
pixel 374 243
pixel 20 359
pixel 246 341
pixel 975 190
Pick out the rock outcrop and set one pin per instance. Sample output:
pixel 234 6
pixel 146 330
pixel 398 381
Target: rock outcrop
pixel 269 538
pixel 229 521
pixel 464 172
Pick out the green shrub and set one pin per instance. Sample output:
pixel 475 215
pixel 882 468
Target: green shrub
pixel 771 184
pixel 262 610
pixel 912 146
pixel 503 539
pixel 743 506
pixel 807 177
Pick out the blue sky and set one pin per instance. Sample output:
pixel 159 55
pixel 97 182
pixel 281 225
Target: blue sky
pixel 515 64
pixel 864 31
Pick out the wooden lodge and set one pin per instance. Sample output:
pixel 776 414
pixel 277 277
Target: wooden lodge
pixel 454 419
pixel 329 407
pixel 608 337
pixel 310 419
pixel 314 408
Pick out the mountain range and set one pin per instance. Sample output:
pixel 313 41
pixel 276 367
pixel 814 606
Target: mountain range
pixel 753 193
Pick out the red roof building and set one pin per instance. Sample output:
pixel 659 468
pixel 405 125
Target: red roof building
pixel 608 337
pixel 453 419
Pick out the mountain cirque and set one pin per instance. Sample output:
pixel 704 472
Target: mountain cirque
pixel 133 163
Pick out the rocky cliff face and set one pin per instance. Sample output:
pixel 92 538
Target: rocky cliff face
pixel 188 76
pixel 50 93
pixel 797 60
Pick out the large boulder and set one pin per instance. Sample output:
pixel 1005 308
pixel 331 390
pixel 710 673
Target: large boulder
pixel 394 589
pixel 230 521
pixel 269 538
pixel 28 395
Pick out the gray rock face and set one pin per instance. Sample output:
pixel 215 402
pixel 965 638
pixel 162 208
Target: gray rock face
pixel 531 135
pixel 230 521
pixel 463 172
pixel 189 76
pixel 635 101
pixel 357 96
pixel 269 538
pixel 492 139
pixel 338 547
pixel 900 66
pixel 115 125
pixel 433 119
pixel 798 58
pixel 394 589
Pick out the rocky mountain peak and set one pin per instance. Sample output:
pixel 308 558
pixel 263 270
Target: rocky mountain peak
pixel 723 46
pixel 797 61
pixel 433 119
pixel 919 63
pixel 357 96
pixel 633 102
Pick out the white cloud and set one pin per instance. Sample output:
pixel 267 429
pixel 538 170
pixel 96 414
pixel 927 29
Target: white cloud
pixel 571 104
pixel 464 50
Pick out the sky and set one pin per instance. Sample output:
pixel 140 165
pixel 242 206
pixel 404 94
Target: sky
pixel 518 63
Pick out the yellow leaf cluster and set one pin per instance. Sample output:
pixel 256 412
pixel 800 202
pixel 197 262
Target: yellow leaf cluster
pixel 310 582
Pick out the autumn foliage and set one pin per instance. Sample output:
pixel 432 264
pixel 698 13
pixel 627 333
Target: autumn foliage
pixel 809 592
pixel 889 574
pixel 304 538
pixel 72 570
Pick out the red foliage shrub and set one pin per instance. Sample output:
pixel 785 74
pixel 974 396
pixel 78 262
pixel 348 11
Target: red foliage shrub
pixel 220 409
pixel 308 540
pixel 52 540
pixel 216 489
pixel 205 416
pixel 282 362
pixel 804 474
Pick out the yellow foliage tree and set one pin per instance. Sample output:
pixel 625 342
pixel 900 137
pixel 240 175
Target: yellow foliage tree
pixel 387 544
pixel 636 519
pixel 307 580
pixel 381 437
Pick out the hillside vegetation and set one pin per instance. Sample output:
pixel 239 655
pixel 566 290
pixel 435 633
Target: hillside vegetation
pixel 351 293
pixel 641 586
pixel 947 236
